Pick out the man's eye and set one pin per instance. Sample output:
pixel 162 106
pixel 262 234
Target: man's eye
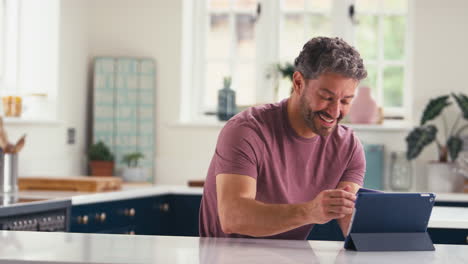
pixel 345 102
pixel 327 98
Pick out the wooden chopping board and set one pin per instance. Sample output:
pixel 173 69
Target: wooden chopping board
pixel 75 183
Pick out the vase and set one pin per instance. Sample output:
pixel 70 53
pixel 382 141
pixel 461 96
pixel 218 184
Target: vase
pixel 400 172
pixel 134 174
pixel 226 104
pixel 364 108
pixel 102 168
pixel 441 177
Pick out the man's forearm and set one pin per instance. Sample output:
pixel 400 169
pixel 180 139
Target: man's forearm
pixel 250 217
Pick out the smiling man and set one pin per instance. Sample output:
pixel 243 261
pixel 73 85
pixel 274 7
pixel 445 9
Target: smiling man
pixel 278 169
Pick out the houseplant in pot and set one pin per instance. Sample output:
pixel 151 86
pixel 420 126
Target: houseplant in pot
pixel 441 175
pixel 101 159
pixel 132 172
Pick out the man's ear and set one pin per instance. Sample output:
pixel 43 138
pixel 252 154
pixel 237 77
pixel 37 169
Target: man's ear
pixel 298 83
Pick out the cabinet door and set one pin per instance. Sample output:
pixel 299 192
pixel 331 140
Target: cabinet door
pixel 448 236
pixel 184 210
pixel 153 216
pixel 330 231
pixel 144 216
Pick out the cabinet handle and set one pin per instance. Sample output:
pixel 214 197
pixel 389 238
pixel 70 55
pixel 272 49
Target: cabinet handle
pixel 130 212
pixel 101 217
pixel 83 220
pixel 164 207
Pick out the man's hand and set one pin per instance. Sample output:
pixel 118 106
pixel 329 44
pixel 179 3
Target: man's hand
pixel 332 204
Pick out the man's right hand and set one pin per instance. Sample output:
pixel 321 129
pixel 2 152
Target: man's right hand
pixel 331 204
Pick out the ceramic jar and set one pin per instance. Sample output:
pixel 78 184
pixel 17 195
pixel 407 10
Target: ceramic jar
pixel 364 108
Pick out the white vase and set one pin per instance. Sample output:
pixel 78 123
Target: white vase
pixel 441 177
pixel 134 174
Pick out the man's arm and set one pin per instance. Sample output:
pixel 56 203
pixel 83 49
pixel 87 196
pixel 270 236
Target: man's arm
pixel 240 213
pixel 345 221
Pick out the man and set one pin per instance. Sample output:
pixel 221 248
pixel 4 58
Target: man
pixel 280 168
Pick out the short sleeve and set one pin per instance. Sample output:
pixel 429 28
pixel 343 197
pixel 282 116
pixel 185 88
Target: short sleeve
pixel 356 167
pixel 238 150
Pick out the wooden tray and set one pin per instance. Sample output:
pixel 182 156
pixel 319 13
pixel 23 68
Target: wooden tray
pixel 76 183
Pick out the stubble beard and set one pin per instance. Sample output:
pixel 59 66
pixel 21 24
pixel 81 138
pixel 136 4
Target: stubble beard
pixel 309 117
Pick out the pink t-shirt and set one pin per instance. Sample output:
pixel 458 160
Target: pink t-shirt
pixel 260 143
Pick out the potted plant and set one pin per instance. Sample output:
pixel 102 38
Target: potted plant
pixel 440 173
pixel 280 71
pixel 132 172
pixel 101 159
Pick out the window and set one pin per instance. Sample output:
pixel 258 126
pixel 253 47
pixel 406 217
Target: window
pixel 231 39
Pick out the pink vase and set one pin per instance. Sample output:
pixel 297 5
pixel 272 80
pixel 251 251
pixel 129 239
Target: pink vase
pixel 363 109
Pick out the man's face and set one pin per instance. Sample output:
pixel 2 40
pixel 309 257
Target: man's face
pixel 325 101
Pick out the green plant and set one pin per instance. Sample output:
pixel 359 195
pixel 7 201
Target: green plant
pixel 132 159
pixel 286 70
pixel 425 134
pixel 100 152
pixel 227 82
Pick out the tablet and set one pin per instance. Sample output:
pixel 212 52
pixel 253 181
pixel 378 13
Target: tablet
pixel 378 212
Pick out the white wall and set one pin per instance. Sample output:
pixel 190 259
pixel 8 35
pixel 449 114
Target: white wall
pixel 46 152
pixel 153 28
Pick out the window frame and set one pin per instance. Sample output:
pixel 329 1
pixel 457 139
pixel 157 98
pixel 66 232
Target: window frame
pixel 194 59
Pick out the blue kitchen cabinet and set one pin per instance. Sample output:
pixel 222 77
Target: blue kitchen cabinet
pixel 145 216
pixel 330 231
pixel 184 210
pixel 448 236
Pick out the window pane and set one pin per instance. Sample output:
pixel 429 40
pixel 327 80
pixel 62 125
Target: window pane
pixel 292 37
pixel 246 4
pixel 320 25
pixel 218 39
pixel 214 75
pixel 395 5
pixel 366 5
pixel 244 84
pixel 218 4
pixel 366 37
pixel 319 5
pixel 371 80
pixel 394 37
pixel 393 86
pixel 245 36
pixel 293 4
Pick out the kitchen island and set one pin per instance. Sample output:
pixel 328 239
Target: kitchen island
pixel 42 247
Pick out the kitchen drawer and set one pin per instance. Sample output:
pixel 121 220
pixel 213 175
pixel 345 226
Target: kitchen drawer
pixel 142 213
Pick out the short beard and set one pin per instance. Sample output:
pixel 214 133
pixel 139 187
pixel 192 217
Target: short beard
pixel 309 115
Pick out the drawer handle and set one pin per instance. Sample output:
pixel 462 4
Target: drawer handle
pixel 130 212
pixel 164 207
pixel 83 220
pixel 101 217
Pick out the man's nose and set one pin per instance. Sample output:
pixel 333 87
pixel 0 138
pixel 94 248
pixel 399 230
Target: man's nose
pixel 334 109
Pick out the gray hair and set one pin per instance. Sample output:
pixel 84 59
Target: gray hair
pixel 330 55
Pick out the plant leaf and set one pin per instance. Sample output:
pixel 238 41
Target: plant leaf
pixel 434 108
pixel 418 138
pixel 462 101
pixel 454 144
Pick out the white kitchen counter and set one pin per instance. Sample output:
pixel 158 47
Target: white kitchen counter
pixel 101 248
pixel 136 191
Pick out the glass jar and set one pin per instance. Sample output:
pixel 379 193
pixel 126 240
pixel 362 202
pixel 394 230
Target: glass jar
pixel 400 172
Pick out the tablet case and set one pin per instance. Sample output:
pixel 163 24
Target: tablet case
pixel 390 222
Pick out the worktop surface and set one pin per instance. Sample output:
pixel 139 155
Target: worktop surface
pixel 44 247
